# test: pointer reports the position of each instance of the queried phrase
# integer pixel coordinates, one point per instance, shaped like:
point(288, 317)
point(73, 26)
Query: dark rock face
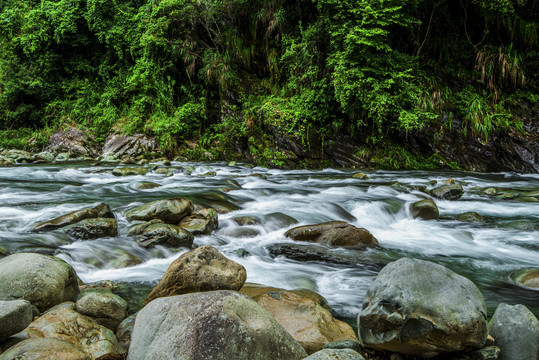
point(100, 211)
point(118, 146)
point(90, 229)
point(165, 234)
point(419, 308)
point(73, 141)
point(333, 233)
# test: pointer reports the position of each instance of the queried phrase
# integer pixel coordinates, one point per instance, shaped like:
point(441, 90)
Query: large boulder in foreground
point(448, 192)
point(15, 315)
point(215, 325)
point(171, 211)
point(202, 269)
point(102, 210)
point(419, 308)
point(303, 313)
point(42, 280)
point(78, 330)
point(516, 331)
point(333, 233)
point(44, 349)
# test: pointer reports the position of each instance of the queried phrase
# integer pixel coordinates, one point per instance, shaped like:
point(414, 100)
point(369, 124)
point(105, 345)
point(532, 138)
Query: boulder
point(165, 234)
point(171, 211)
point(304, 314)
point(215, 325)
point(15, 315)
point(345, 344)
point(118, 146)
point(361, 176)
point(129, 171)
point(44, 349)
point(44, 156)
point(202, 269)
point(516, 331)
point(448, 192)
point(147, 185)
point(528, 278)
point(124, 331)
point(18, 156)
point(102, 210)
point(124, 259)
point(335, 354)
point(470, 216)
point(200, 222)
point(419, 308)
point(79, 330)
point(41, 279)
point(246, 220)
point(425, 209)
point(138, 229)
point(333, 233)
point(73, 141)
point(89, 229)
point(103, 306)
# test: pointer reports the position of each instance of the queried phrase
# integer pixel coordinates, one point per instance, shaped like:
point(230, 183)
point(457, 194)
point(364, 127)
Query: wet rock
point(335, 354)
point(419, 308)
point(425, 209)
point(18, 156)
point(129, 171)
point(361, 176)
point(65, 305)
point(217, 200)
point(165, 234)
point(79, 330)
point(470, 216)
point(90, 229)
point(147, 186)
point(102, 210)
point(163, 171)
point(63, 156)
point(15, 315)
point(171, 211)
point(278, 220)
point(44, 349)
point(246, 220)
point(125, 259)
point(239, 232)
point(73, 141)
point(42, 280)
point(210, 326)
point(344, 344)
point(200, 222)
point(202, 269)
point(304, 314)
point(448, 192)
point(516, 331)
point(3, 251)
point(124, 331)
point(138, 229)
point(117, 146)
point(520, 225)
point(528, 278)
point(333, 233)
point(490, 191)
point(44, 156)
point(103, 306)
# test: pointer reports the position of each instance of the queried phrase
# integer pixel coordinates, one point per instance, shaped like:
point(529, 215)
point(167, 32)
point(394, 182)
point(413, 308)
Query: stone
point(124, 331)
point(74, 141)
point(202, 269)
point(215, 325)
point(335, 354)
point(422, 309)
point(345, 344)
point(89, 229)
point(104, 307)
point(102, 210)
point(138, 229)
point(361, 176)
point(246, 220)
point(425, 209)
point(44, 156)
point(44, 349)
point(15, 315)
point(528, 278)
point(470, 216)
point(200, 222)
point(166, 235)
point(490, 191)
point(516, 331)
point(304, 315)
point(171, 211)
point(129, 171)
point(117, 145)
point(79, 330)
point(147, 185)
point(333, 233)
point(43, 280)
point(125, 259)
point(448, 192)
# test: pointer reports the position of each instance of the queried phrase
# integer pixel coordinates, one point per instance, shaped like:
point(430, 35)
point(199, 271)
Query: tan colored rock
point(44, 349)
point(202, 269)
point(303, 313)
point(333, 233)
point(79, 330)
point(200, 222)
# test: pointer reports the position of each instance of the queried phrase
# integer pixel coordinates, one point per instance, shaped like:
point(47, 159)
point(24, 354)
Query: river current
point(489, 252)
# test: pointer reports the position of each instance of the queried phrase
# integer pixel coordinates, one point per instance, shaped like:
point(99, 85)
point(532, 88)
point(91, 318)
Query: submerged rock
point(448, 192)
point(202, 269)
point(333, 233)
point(419, 308)
point(516, 331)
point(215, 325)
point(200, 222)
point(102, 210)
point(129, 171)
point(165, 234)
point(171, 211)
point(147, 186)
point(246, 220)
point(470, 216)
point(361, 176)
point(15, 315)
point(425, 209)
point(42, 280)
point(44, 348)
point(103, 306)
point(90, 229)
point(528, 278)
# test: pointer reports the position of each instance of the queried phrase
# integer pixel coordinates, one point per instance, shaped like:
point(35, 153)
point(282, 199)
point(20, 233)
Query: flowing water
point(488, 253)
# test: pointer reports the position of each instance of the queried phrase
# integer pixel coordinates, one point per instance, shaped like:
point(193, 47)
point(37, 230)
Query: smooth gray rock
point(171, 211)
point(15, 315)
point(448, 192)
point(103, 306)
point(516, 332)
point(89, 229)
point(335, 354)
point(425, 209)
point(215, 325)
point(102, 210)
point(41, 279)
point(419, 308)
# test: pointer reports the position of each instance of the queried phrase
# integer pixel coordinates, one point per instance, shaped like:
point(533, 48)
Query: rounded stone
point(171, 211)
point(104, 307)
point(44, 348)
point(15, 315)
point(165, 234)
point(448, 192)
point(425, 209)
point(333, 233)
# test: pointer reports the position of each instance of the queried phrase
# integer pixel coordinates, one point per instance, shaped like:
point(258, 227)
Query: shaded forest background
point(214, 71)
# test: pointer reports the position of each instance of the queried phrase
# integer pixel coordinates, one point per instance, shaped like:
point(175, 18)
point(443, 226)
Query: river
point(489, 253)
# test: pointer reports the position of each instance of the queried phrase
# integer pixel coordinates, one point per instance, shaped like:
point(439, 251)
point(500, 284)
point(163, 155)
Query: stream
point(489, 252)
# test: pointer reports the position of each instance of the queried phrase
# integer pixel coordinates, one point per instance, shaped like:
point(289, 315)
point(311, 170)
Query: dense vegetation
point(217, 69)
